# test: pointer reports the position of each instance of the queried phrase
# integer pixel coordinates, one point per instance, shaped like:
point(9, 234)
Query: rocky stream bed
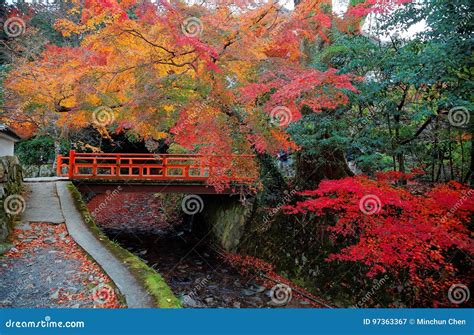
point(187, 261)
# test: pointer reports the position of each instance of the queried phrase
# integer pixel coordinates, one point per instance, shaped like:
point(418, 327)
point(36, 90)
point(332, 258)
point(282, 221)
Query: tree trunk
point(461, 141)
point(450, 155)
point(470, 174)
point(311, 169)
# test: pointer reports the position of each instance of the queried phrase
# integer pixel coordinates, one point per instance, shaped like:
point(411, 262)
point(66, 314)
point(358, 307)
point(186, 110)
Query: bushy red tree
point(390, 231)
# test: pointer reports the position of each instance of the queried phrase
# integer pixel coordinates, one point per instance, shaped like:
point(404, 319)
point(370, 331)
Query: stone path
point(42, 203)
point(135, 295)
point(48, 268)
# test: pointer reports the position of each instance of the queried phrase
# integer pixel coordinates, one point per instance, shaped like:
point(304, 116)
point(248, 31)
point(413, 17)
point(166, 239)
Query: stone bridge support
point(225, 218)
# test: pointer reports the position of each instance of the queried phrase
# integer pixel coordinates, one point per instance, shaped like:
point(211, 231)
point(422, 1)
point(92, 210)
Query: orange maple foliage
point(152, 65)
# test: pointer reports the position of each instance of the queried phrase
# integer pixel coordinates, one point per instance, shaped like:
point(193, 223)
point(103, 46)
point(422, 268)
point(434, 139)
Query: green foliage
point(38, 150)
point(318, 132)
point(398, 119)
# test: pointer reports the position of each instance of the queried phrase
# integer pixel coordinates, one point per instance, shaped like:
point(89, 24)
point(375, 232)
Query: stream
point(193, 270)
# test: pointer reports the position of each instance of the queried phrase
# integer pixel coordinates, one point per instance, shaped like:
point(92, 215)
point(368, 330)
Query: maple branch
point(62, 109)
point(172, 63)
point(135, 33)
point(138, 34)
point(235, 38)
point(419, 131)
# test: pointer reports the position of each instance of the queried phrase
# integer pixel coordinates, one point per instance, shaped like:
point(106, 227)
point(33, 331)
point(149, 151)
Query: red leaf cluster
point(266, 275)
point(390, 230)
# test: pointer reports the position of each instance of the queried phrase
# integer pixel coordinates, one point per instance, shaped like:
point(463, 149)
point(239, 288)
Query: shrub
point(388, 230)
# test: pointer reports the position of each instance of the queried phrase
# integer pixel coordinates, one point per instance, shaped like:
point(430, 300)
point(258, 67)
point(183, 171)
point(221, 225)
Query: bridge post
point(72, 157)
point(59, 163)
point(116, 169)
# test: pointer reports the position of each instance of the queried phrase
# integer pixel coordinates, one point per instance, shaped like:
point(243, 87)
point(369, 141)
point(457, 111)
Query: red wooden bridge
point(163, 172)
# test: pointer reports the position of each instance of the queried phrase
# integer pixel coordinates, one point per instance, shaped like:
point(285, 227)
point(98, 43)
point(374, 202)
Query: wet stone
point(50, 240)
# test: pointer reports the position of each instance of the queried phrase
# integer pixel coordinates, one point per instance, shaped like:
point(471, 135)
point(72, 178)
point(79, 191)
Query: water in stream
point(186, 261)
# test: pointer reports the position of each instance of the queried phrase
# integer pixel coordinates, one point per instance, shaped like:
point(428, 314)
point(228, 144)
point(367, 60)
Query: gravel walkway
point(47, 267)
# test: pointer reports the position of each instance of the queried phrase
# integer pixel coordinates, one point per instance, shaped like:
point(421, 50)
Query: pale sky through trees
point(339, 7)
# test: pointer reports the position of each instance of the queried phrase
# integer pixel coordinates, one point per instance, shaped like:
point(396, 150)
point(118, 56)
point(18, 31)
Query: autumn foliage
point(225, 79)
point(265, 273)
point(206, 79)
point(391, 231)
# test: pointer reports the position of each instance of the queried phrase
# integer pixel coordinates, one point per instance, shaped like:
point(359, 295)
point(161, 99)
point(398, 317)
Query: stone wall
point(11, 202)
point(34, 171)
point(226, 217)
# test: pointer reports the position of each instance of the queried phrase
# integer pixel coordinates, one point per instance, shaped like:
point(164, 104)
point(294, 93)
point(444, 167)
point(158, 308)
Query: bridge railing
point(148, 166)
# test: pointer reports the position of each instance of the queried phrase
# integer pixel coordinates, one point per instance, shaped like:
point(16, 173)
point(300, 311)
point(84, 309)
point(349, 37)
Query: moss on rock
point(226, 217)
point(11, 183)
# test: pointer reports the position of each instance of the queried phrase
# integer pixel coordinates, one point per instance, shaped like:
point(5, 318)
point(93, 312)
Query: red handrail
point(191, 167)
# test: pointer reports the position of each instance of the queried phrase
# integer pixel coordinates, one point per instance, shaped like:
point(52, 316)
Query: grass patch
point(155, 285)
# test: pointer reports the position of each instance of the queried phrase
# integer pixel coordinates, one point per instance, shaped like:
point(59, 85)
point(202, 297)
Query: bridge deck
point(90, 185)
point(165, 172)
